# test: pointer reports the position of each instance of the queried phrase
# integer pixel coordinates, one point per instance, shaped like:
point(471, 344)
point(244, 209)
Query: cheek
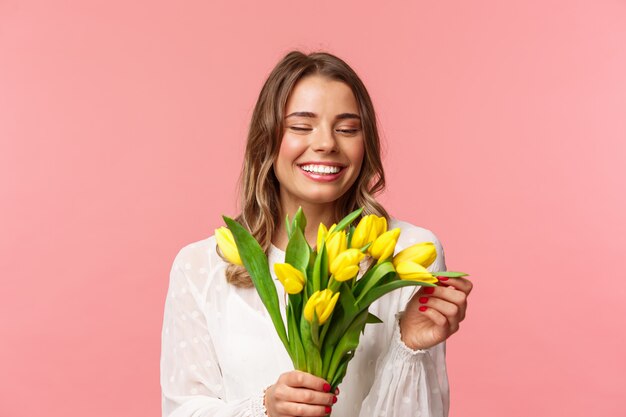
point(289, 151)
point(357, 153)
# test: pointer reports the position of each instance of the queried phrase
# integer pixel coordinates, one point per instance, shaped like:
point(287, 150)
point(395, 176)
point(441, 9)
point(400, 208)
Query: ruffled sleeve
point(410, 382)
point(191, 379)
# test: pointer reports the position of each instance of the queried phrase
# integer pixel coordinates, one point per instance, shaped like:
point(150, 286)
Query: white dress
point(220, 350)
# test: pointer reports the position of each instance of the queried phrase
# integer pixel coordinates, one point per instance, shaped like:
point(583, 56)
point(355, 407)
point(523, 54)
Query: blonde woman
point(313, 142)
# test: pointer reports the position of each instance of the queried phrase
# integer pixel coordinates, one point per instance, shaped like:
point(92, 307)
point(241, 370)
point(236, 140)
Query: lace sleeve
point(191, 380)
point(410, 382)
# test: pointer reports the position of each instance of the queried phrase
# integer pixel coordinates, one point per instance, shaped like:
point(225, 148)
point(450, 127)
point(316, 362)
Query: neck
point(315, 214)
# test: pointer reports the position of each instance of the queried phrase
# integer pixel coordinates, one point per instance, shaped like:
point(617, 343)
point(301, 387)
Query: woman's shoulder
point(196, 252)
point(199, 260)
point(410, 233)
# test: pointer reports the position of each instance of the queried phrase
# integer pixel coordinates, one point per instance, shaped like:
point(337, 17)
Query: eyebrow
point(341, 116)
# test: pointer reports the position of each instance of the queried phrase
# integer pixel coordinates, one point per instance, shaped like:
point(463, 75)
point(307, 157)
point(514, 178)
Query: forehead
point(320, 94)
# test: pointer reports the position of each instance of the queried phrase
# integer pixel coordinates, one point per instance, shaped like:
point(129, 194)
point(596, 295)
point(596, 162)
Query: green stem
point(333, 284)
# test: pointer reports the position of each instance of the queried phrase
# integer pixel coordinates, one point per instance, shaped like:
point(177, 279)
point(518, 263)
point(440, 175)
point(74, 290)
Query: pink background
point(122, 127)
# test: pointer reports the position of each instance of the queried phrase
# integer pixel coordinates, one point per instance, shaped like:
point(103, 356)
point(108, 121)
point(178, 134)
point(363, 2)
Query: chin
point(321, 198)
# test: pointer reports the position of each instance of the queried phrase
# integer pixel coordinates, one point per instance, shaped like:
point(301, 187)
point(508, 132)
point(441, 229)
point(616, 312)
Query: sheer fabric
point(220, 350)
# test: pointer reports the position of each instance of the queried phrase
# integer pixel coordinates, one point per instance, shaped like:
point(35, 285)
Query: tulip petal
point(348, 257)
point(423, 253)
point(384, 246)
point(362, 232)
point(322, 231)
point(330, 306)
point(226, 243)
point(291, 278)
point(382, 225)
point(335, 244)
point(414, 272)
point(292, 286)
point(310, 305)
point(346, 273)
point(321, 303)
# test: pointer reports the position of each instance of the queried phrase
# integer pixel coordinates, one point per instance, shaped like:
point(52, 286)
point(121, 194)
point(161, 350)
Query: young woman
point(313, 142)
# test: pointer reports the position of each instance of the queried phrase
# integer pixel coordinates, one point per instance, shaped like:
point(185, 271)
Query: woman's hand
point(433, 314)
point(299, 393)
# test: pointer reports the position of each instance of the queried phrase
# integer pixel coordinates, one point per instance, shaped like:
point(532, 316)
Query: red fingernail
point(328, 409)
point(423, 299)
point(326, 387)
point(429, 290)
point(336, 391)
point(442, 278)
point(334, 399)
point(423, 308)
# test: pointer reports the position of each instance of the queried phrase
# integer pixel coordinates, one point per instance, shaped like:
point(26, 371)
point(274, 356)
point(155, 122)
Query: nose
point(324, 140)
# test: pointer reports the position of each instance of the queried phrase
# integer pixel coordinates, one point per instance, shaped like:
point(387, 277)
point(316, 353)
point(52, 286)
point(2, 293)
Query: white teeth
point(321, 169)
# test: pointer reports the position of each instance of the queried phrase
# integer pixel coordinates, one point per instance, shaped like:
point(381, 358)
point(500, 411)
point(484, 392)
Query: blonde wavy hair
point(258, 185)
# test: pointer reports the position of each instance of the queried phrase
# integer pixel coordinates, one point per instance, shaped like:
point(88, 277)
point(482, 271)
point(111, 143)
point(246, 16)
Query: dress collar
point(275, 255)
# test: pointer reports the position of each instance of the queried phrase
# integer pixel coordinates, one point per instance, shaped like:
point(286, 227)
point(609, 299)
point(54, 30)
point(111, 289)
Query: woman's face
point(322, 147)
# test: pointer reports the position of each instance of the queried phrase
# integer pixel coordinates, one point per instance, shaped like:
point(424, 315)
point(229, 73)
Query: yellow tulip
point(346, 264)
point(346, 273)
point(384, 245)
point(322, 231)
point(336, 243)
point(226, 243)
point(322, 303)
point(291, 278)
point(368, 229)
point(421, 253)
point(324, 234)
point(415, 272)
point(381, 225)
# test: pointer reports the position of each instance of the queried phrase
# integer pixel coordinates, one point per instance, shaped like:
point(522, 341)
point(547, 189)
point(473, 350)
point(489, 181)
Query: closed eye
point(307, 129)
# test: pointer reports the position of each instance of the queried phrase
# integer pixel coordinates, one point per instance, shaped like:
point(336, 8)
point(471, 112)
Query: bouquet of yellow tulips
point(328, 306)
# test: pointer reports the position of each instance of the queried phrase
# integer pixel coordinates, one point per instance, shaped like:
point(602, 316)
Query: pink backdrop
point(122, 128)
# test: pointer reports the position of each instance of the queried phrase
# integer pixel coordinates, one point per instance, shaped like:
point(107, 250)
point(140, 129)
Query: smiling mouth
point(321, 169)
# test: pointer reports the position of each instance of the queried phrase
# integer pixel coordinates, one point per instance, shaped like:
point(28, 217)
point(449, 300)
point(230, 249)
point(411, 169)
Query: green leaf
point(348, 219)
point(318, 268)
point(299, 220)
point(348, 303)
point(311, 279)
point(351, 230)
point(342, 317)
point(347, 344)
point(315, 330)
point(327, 355)
point(295, 342)
point(451, 274)
point(312, 352)
point(340, 373)
point(371, 278)
point(288, 226)
point(366, 247)
point(333, 333)
point(377, 292)
point(295, 300)
point(372, 319)
point(326, 326)
point(298, 251)
point(255, 261)
point(323, 267)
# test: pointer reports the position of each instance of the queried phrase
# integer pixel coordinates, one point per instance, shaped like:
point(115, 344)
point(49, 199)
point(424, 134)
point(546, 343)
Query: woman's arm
point(191, 379)
point(408, 381)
